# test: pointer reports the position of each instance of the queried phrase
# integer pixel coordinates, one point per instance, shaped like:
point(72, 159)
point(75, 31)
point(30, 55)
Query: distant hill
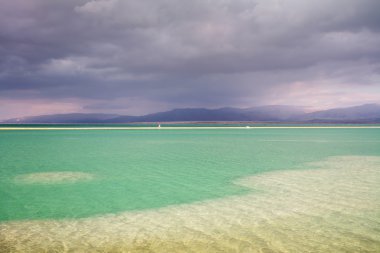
point(362, 113)
point(65, 118)
point(192, 114)
point(369, 113)
point(274, 112)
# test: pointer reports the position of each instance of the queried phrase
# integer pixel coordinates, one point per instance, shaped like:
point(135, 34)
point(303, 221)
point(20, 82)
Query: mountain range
point(368, 113)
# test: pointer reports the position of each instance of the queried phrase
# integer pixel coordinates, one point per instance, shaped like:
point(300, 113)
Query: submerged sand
point(52, 177)
point(333, 207)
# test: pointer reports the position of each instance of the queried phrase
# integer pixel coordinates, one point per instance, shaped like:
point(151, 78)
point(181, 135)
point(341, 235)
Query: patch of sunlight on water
point(331, 206)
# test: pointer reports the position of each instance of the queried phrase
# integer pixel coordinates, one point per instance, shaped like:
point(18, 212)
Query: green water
point(145, 169)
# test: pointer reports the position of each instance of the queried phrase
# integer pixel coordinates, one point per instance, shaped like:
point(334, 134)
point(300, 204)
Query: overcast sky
point(138, 56)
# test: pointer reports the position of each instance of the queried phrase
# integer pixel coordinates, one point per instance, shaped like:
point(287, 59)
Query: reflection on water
point(334, 207)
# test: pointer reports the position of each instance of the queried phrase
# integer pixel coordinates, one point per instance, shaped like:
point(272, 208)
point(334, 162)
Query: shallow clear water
point(209, 186)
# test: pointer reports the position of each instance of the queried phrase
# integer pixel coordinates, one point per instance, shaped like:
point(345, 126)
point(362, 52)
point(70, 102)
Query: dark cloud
point(186, 53)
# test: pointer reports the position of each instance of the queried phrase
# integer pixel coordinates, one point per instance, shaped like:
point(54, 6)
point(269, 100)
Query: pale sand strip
point(57, 177)
point(332, 209)
point(187, 128)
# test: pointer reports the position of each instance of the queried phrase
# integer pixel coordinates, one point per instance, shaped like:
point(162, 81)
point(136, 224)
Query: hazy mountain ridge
point(65, 118)
point(368, 113)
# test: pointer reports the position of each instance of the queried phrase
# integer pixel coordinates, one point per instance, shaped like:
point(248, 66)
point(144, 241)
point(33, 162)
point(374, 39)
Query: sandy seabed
point(333, 206)
point(52, 177)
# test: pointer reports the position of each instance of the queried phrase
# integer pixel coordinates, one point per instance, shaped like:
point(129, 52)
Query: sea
point(190, 188)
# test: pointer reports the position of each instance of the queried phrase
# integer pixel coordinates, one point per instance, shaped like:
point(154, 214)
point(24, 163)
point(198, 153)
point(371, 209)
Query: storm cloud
point(133, 56)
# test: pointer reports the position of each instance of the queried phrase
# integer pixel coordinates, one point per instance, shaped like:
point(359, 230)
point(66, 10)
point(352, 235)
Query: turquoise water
point(148, 169)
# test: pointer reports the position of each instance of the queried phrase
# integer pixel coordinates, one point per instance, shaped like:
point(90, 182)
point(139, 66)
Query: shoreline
point(188, 128)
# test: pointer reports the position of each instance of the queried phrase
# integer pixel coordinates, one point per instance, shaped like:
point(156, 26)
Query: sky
point(134, 57)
